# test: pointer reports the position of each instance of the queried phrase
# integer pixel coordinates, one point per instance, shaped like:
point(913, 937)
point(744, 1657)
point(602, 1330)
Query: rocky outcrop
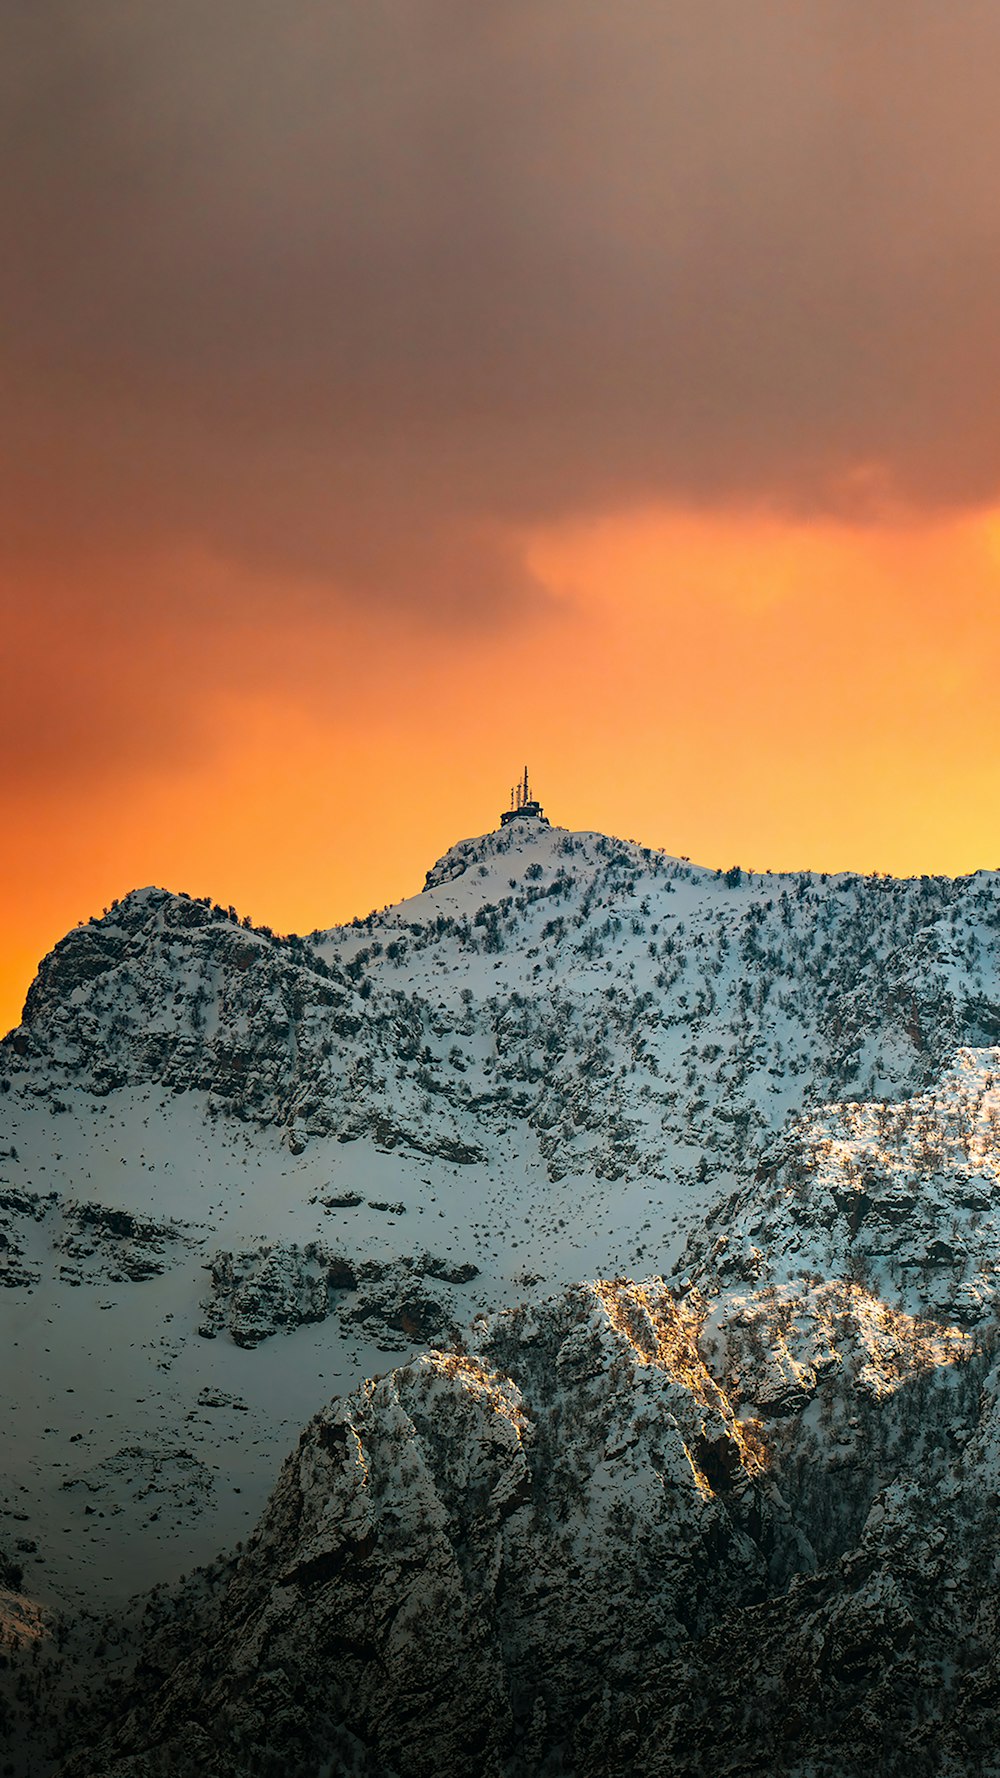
point(902, 1197)
point(470, 1555)
point(98, 1241)
point(19, 1269)
point(269, 1287)
point(83, 1242)
point(572, 1552)
point(275, 1287)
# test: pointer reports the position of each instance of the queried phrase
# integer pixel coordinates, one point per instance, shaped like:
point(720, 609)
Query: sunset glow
point(390, 404)
point(732, 688)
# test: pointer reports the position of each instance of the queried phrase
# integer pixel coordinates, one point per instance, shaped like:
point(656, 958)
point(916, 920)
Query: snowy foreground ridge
point(673, 1198)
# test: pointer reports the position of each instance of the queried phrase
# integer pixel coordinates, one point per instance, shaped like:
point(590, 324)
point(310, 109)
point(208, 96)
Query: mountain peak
point(524, 837)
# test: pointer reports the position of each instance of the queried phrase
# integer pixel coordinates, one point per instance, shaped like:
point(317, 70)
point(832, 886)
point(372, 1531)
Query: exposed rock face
point(17, 1270)
point(580, 1551)
point(170, 989)
point(98, 1241)
point(263, 1289)
point(427, 1569)
point(85, 1241)
point(904, 1197)
point(24, 1627)
point(277, 1286)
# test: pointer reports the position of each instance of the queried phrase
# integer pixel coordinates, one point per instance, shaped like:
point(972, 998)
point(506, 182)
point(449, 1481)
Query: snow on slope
point(555, 1057)
point(702, 1006)
point(746, 1524)
point(99, 1368)
point(904, 1197)
point(576, 1548)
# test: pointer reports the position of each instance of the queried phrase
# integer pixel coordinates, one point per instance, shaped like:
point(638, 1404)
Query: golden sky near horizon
point(392, 397)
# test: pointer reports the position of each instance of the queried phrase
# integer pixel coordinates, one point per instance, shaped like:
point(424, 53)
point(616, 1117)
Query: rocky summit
point(672, 1195)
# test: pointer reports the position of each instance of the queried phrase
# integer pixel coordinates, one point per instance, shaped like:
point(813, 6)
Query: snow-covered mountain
point(628, 1010)
point(236, 1169)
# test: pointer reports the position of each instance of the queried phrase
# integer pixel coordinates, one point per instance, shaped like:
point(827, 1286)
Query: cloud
point(346, 297)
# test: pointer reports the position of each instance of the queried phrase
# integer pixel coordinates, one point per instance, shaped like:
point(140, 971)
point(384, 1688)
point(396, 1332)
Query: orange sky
point(730, 687)
point(396, 395)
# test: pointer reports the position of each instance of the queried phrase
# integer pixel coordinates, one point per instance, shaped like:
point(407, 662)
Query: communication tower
point(523, 806)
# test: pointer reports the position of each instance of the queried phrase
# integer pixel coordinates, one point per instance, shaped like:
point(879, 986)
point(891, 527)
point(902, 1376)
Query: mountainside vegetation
point(674, 1195)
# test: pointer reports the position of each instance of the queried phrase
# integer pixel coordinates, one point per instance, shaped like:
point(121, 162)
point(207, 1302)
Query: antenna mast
point(521, 803)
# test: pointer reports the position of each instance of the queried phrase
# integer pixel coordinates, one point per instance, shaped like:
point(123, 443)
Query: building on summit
point(523, 805)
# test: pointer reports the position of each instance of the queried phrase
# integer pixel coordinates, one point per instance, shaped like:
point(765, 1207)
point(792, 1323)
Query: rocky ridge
point(465, 1569)
point(632, 1011)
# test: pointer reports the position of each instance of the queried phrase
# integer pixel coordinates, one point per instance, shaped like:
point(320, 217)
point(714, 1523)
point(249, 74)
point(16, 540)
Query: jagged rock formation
point(593, 1547)
point(586, 1570)
point(903, 1197)
point(426, 1566)
point(278, 1286)
point(16, 1269)
point(88, 1241)
point(118, 1244)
